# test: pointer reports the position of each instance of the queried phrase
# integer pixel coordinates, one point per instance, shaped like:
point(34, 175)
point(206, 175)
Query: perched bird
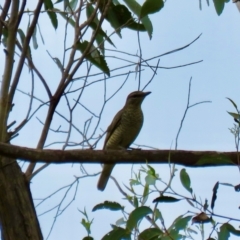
point(123, 130)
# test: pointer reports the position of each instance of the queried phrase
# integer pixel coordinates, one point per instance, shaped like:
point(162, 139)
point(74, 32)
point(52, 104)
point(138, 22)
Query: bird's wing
point(115, 123)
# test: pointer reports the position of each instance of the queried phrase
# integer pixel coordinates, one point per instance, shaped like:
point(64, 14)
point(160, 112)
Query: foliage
point(132, 225)
point(218, 4)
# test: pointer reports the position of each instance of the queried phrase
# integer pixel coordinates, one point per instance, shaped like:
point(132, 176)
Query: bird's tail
point(102, 182)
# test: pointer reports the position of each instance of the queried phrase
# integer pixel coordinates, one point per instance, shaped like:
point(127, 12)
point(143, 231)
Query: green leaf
point(151, 176)
point(136, 9)
point(219, 6)
point(185, 180)
point(94, 57)
point(148, 25)
point(88, 238)
point(130, 189)
point(113, 206)
point(134, 182)
point(59, 64)
point(72, 5)
point(34, 38)
point(227, 184)
point(5, 36)
point(39, 31)
point(180, 222)
point(22, 38)
point(174, 235)
point(135, 202)
point(150, 180)
point(151, 6)
point(112, 19)
point(190, 202)
point(231, 229)
point(119, 17)
point(214, 196)
point(87, 225)
point(125, 19)
point(115, 2)
point(145, 194)
point(158, 215)
point(166, 199)
point(235, 116)
point(66, 17)
point(190, 230)
point(58, 1)
point(224, 233)
point(151, 170)
point(118, 234)
point(52, 15)
point(21, 35)
point(233, 103)
point(93, 24)
point(134, 6)
point(150, 234)
point(86, 222)
point(137, 215)
point(120, 221)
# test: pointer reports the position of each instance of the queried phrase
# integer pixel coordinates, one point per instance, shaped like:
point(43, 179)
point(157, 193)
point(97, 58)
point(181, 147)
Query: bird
point(123, 130)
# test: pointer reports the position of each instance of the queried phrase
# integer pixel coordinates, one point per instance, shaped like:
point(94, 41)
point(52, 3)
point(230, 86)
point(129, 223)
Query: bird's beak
point(146, 93)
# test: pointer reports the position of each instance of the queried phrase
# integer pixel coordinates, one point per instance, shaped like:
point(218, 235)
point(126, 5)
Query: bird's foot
point(134, 149)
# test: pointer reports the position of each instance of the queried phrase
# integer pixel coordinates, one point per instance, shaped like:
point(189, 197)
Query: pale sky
point(206, 126)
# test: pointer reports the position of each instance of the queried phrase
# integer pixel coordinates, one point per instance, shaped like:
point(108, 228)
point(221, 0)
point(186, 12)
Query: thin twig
point(186, 110)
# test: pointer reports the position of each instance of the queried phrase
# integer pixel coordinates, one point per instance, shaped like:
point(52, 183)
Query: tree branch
point(186, 158)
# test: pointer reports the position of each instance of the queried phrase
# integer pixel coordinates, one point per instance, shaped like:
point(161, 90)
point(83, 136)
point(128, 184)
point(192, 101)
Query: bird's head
point(136, 98)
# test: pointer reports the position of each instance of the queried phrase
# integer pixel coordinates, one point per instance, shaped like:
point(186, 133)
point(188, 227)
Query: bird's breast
point(127, 130)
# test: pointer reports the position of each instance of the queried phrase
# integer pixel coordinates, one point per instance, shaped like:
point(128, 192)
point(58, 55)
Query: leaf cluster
point(185, 226)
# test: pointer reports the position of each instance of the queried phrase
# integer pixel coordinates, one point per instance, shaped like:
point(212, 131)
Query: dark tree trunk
point(18, 217)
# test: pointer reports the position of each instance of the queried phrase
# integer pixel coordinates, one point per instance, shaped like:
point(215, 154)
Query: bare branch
point(9, 62)
point(24, 50)
point(186, 158)
point(186, 110)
